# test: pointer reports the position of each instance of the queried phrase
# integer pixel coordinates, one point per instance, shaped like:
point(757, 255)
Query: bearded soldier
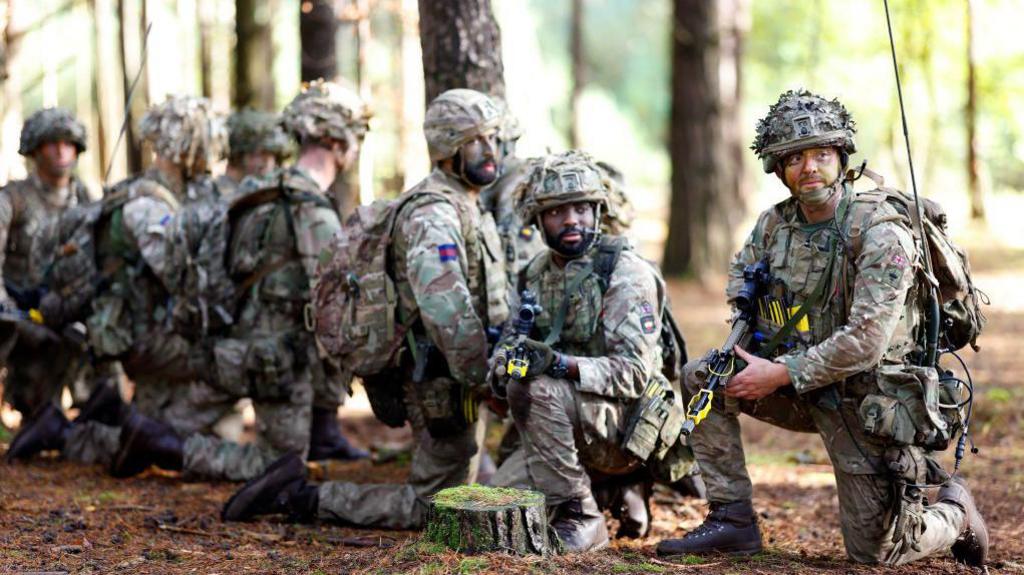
point(848, 261)
point(130, 304)
point(279, 226)
point(41, 361)
point(256, 145)
point(593, 350)
point(449, 274)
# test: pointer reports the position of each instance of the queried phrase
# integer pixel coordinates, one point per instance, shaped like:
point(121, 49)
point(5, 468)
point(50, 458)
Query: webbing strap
point(563, 310)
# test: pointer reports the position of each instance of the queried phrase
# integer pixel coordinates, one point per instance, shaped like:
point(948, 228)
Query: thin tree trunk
point(318, 28)
point(254, 54)
point(577, 66)
point(10, 106)
point(971, 112)
point(132, 27)
point(461, 47)
point(204, 20)
point(701, 211)
point(734, 15)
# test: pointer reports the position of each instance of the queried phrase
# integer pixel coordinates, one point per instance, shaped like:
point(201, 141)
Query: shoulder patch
point(647, 323)
point(448, 252)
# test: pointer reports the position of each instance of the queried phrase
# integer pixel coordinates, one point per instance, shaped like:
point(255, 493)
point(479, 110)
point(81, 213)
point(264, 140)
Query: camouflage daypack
point(355, 300)
point(75, 274)
point(961, 320)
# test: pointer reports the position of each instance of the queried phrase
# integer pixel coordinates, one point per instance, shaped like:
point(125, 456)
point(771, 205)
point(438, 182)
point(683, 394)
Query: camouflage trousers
point(38, 375)
point(566, 435)
point(880, 522)
point(437, 463)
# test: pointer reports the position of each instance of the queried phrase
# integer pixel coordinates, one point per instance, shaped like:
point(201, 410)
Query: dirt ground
point(58, 517)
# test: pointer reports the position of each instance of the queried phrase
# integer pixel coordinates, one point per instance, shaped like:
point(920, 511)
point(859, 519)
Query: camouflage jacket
point(520, 241)
point(864, 318)
point(614, 335)
point(274, 250)
point(449, 269)
point(29, 217)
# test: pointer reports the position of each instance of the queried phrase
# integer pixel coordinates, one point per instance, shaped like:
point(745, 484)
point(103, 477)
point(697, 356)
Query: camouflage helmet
point(456, 117)
point(510, 130)
point(801, 120)
point(185, 129)
point(51, 125)
point(253, 131)
point(560, 179)
point(326, 110)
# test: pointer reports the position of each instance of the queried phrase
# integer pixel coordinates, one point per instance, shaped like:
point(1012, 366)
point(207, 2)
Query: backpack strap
point(602, 265)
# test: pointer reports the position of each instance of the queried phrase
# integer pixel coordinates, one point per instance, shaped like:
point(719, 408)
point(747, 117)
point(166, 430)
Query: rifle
point(519, 358)
point(719, 365)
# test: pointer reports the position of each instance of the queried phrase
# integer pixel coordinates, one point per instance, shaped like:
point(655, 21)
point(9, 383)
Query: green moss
point(689, 560)
point(432, 568)
point(644, 567)
point(472, 565)
point(480, 495)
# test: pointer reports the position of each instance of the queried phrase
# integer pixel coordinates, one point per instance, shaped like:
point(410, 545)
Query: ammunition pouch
point(110, 327)
point(912, 408)
point(654, 422)
point(262, 368)
point(441, 400)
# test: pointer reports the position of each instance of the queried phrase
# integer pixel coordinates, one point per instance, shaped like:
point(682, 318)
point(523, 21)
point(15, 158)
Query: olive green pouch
point(907, 408)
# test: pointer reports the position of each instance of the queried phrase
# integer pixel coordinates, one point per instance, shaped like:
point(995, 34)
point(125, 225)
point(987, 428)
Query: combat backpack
point(75, 274)
point(355, 300)
point(961, 320)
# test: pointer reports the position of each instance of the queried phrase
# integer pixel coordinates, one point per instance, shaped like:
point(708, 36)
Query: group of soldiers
point(518, 291)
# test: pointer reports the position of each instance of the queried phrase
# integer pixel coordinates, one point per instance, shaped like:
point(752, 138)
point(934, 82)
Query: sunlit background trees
point(666, 90)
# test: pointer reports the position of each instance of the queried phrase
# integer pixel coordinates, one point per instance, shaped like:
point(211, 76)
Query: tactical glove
point(541, 358)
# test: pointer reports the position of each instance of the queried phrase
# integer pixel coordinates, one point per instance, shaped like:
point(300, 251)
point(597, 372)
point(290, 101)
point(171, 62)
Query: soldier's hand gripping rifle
point(719, 365)
point(518, 357)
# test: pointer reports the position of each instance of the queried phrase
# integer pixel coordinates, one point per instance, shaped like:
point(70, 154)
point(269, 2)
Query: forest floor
point(59, 517)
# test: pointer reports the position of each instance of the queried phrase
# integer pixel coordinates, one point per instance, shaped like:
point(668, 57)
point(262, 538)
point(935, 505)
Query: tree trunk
point(734, 21)
point(476, 519)
point(205, 23)
point(971, 113)
point(10, 103)
point(461, 47)
point(577, 66)
point(702, 214)
point(133, 26)
point(254, 54)
point(318, 28)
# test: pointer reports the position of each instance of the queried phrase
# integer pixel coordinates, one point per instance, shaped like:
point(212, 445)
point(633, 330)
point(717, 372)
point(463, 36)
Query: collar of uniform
point(296, 178)
point(56, 197)
point(154, 174)
point(789, 209)
point(449, 184)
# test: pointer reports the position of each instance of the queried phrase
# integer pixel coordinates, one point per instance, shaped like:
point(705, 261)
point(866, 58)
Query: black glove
point(541, 357)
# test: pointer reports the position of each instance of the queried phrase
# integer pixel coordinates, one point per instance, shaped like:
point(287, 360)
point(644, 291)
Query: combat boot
point(281, 488)
point(729, 528)
point(326, 440)
point(972, 545)
point(145, 442)
point(46, 430)
point(580, 525)
point(633, 510)
point(104, 406)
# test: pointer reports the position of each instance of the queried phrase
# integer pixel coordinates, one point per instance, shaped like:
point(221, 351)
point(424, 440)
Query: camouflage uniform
point(269, 355)
point(130, 320)
point(448, 270)
point(864, 326)
point(29, 214)
point(570, 428)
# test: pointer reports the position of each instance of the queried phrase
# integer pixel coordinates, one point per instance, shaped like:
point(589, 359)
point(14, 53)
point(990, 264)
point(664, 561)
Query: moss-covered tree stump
point(476, 519)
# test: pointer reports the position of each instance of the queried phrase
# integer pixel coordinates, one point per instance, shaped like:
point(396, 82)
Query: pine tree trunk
point(577, 66)
point(461, 47)
point(254, 54)
point(971, 111)
point(133, 36)
point(318, 27)
point(702, 213)
point(476, 519)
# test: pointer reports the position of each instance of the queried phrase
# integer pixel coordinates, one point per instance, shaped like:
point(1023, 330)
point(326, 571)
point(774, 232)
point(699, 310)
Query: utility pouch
point(654, 422)
point(441, 400)
point(110, 327)
point(270, 365)
point(906, 410)
point(677, 463)
point(229, 356)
